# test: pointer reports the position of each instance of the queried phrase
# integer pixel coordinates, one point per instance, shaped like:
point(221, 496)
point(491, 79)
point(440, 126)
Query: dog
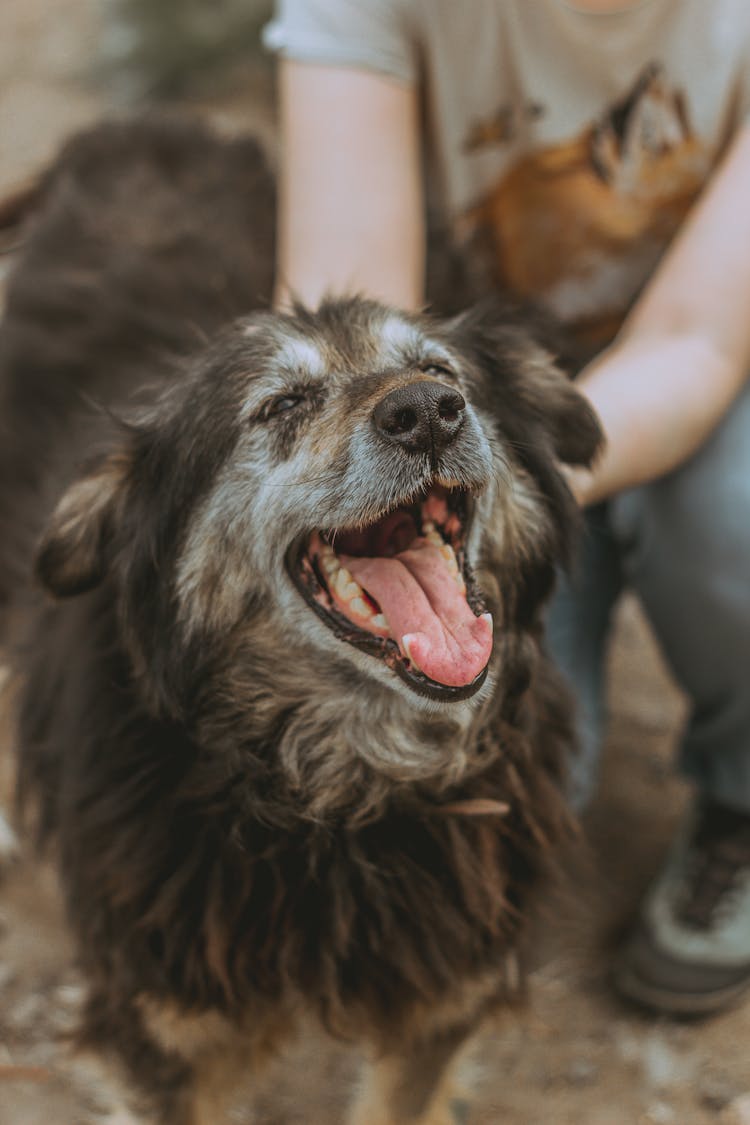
point(287, 716)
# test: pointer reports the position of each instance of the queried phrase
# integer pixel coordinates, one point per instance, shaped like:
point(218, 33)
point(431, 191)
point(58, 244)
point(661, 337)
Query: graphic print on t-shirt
point(581, 224)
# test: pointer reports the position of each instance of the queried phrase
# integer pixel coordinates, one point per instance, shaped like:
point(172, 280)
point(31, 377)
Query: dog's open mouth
point(401, 589)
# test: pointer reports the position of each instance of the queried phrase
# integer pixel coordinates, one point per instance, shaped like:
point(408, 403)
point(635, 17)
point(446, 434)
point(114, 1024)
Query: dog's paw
point(453, 1112)
point(460, 1108)
point(10, 849)
point(445, 1115)
point(119, 1116)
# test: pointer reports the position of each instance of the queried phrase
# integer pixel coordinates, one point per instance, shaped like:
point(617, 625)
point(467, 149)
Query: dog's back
point(147, 237)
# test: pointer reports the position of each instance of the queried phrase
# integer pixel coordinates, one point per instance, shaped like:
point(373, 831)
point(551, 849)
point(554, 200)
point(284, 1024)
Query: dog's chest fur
point(198, 869)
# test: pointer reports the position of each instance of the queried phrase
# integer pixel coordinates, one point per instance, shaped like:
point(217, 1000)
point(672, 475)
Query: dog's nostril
point(403, 422)
point(421, 417)
point(451, 406)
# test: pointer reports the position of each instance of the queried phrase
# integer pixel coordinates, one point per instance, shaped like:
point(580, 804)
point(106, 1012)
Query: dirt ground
point(575, 1056)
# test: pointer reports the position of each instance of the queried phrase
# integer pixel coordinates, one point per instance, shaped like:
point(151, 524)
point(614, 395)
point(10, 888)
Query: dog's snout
point(423, 417)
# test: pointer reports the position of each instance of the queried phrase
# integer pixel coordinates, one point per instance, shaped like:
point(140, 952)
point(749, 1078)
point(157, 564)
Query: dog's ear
point(572, 422)
point(72, 556)
point(521, 377)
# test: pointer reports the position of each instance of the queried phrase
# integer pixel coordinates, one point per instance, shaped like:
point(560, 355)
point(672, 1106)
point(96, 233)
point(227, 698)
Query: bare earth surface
point(575, 1056)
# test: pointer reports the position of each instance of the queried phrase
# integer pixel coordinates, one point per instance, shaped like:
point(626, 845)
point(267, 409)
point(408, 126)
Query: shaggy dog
point(288, 719)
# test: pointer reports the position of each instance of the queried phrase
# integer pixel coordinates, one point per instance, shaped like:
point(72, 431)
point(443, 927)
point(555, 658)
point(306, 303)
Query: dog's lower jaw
point(317, 643)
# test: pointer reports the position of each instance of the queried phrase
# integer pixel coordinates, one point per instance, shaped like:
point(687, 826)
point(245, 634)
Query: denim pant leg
point(685, 542)
point(577, 623)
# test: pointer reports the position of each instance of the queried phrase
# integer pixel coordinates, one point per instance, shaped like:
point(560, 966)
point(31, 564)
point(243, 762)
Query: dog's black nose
point(422, 417)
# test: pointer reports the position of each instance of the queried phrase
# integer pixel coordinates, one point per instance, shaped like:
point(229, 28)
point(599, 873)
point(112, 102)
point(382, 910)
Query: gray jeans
point(683, 544)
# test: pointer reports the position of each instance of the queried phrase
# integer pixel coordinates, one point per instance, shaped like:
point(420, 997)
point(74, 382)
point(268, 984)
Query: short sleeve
point(372, 34)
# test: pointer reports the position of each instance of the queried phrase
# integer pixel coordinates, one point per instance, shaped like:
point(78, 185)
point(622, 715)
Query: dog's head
point(351, 492)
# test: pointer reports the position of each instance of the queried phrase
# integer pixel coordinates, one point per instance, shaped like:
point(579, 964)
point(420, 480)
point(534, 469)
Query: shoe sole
point(647, 995)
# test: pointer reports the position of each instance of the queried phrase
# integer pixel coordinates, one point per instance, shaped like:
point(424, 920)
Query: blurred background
point(65, 64)
point(575, 1056)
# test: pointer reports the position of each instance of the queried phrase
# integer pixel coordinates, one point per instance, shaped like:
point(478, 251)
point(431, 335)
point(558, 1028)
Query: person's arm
point(350, 214)
point(684, 352)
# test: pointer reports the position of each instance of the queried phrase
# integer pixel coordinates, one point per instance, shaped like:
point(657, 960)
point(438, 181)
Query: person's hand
point(683, 354)
point(580, 481)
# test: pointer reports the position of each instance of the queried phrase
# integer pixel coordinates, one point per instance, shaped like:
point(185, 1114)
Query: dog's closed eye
point(280, 404)
point(439, 370)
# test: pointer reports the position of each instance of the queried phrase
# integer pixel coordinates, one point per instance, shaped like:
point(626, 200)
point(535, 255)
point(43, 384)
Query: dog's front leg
point(216, 1078)
point(9, 847)
point(219, 1058)
point(414, 1085)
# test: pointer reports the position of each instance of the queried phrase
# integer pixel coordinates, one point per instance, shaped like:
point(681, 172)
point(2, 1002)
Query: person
point(597, 154)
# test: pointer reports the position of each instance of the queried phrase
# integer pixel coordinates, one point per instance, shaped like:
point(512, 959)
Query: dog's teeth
point(431, 533)
point(330, 564)
point(379, 621)
point(345, 586)
point(361, 608)
point(450, 557)
point(486, 617)
point(343, 581)
point(406, 649)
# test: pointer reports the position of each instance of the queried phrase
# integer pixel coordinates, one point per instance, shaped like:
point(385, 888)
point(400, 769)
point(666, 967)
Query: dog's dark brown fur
point(254, 819)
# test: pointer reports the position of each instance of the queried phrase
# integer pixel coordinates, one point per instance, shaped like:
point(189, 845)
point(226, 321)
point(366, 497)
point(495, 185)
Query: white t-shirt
point(569, 144)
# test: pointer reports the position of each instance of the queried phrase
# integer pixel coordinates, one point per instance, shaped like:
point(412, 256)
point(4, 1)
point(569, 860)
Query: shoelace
point(718, 858)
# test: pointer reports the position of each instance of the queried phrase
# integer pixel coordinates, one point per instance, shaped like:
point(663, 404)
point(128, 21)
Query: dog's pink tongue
point(427, 613)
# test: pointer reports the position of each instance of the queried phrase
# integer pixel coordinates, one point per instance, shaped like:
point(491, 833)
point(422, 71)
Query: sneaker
point(689, 953)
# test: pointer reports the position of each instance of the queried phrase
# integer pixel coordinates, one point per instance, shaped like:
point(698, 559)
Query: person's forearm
point(684, 351)
point(658, 400)
point(350, 214)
